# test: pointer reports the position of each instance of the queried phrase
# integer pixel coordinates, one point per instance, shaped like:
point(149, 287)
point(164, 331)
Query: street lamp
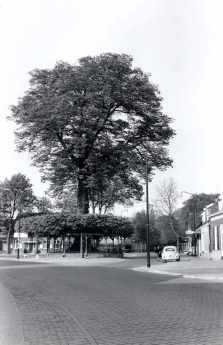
point(193, 195)
point(19, 227)
point(147, 212)
point(122, 141)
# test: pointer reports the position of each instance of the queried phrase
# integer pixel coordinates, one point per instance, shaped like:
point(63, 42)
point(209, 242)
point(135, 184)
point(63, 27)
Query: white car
point(190, 252)
point(170, 253)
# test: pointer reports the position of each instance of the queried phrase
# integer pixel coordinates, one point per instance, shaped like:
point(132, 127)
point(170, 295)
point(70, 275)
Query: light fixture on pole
point(193, 195)
point(147, 212)
point(19, 227)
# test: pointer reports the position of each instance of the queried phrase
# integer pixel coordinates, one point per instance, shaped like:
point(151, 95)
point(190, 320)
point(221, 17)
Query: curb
point(156, 271)
point(204, 278)
point(186, 276)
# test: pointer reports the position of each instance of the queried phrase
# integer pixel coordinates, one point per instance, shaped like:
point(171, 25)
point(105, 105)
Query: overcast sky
point(179, 42)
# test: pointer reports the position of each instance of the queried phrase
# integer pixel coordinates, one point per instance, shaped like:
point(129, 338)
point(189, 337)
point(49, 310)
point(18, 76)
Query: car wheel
point(190, 254)
point(164, 261)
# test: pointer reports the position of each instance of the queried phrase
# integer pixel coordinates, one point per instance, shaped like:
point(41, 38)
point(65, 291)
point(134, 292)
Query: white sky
point(179, 41)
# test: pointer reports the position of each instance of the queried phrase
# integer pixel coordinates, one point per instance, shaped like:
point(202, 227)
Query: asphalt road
point(106, 305)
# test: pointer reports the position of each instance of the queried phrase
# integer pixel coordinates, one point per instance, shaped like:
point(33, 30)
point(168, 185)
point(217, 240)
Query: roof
point(198, 231)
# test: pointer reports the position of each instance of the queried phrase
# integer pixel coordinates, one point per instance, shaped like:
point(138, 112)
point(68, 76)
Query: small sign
point(189, 232)
point(21, 234)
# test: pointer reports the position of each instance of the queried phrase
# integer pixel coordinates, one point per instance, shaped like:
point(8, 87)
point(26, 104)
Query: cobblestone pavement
point(46, 304)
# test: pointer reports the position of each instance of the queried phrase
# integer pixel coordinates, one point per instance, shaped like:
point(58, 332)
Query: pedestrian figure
point(158, 251)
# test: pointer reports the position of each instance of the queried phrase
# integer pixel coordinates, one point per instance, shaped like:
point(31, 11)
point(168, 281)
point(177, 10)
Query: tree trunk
point(37, 241)
point(81, 246)
point(86, 244)
point(47, 245)
point(64, 252)
point(8, 236)
point(83, 198)
point(178, 243)
point(69, 243)
point(8, 241)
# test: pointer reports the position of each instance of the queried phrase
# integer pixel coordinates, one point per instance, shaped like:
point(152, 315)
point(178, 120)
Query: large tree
point(167, 235)
point(193, 206)
point(72, 115)
point(165, 201)
point(140, 225)
point(17, 197)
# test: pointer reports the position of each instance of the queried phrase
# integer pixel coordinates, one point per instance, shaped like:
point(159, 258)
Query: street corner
point(207, 277)
point(151, 270)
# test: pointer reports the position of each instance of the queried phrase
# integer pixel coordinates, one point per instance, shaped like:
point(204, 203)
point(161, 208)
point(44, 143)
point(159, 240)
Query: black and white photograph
point(111, 183)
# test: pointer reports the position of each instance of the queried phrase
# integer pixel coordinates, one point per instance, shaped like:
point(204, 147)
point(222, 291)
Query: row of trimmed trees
point(52, 219)
point(57, 225)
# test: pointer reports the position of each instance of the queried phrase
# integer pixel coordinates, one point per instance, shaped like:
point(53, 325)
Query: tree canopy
point(166, 203)
point(140, 225)
point(71, 116)
point(198, 201)
point(16, 196)
point(57, 224)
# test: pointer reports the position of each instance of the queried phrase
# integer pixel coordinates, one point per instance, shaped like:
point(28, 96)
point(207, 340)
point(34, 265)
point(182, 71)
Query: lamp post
point(147, 212)
point(122, 141)
point(193, 195)
point(19, 228)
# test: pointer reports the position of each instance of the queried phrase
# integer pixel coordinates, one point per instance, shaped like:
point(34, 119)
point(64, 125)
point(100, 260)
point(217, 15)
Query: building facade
point(209, 235)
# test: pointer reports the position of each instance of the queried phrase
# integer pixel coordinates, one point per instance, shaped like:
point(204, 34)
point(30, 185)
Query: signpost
point(20, 234)
point(189, 232)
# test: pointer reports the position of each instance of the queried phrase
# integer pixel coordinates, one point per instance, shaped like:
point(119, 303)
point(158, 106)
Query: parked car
point(190, 252)
point(170, 253)
point(127, 248)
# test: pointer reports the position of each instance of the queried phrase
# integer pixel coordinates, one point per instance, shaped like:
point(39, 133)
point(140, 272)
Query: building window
point(221, 234)
point(57, 244)
point(216, 238)
point(207, 241)
point(219, 237)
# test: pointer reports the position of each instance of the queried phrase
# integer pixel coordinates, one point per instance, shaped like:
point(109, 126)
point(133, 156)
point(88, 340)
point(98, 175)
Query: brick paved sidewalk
point(58, 259)
point(11, 326)
point(189, 267)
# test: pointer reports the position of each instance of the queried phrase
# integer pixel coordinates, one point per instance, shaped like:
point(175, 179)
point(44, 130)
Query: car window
point(170, 250)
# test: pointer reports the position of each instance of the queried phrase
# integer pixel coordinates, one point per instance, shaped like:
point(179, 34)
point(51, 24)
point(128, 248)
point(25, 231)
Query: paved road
point(113, 305)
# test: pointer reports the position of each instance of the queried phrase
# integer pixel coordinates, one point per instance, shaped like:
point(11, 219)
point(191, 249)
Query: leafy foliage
point(71, 116)
point(43, 204)
point(106, 193)
point(16, 196)
point(66, 202)
point(198, 201)
point(168, 236)
point(55, 225)
point(140, 225)
point(50, 225)
point(166, 203)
